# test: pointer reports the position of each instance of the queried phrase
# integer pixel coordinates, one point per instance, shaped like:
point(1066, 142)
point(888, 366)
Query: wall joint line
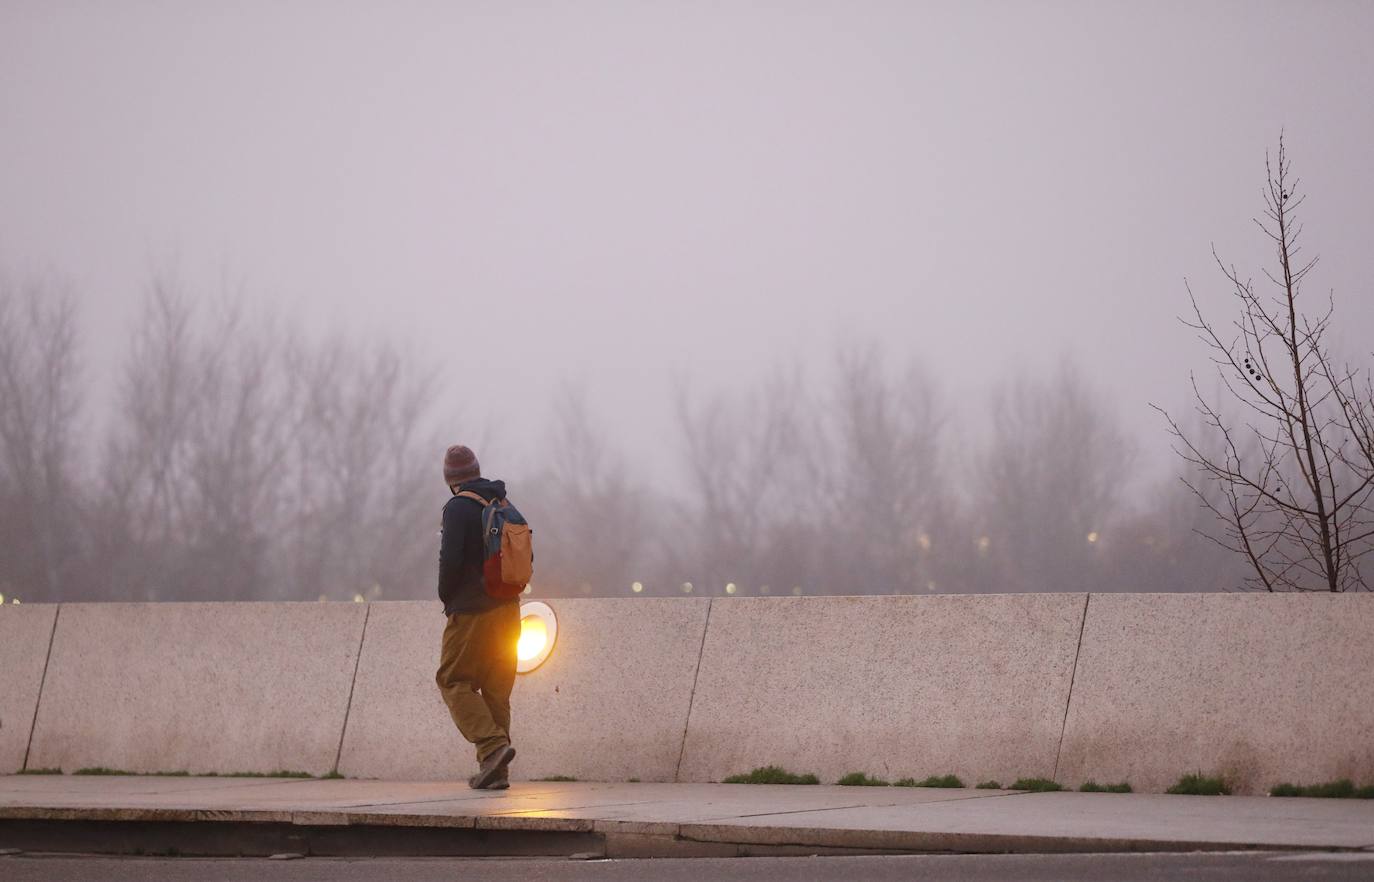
point(1068, 700)
point(43, 681)
point(338, 754)
point(691, 700)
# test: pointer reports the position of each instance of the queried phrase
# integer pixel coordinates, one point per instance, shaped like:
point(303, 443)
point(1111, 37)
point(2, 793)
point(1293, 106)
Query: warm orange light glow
point(534, 636)
point(538, 634)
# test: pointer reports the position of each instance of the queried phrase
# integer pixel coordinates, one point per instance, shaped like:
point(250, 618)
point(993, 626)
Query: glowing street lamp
point(538, 632)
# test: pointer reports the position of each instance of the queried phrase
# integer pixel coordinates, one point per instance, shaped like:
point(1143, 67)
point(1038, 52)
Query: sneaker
point(501, 783)
point(492, 768)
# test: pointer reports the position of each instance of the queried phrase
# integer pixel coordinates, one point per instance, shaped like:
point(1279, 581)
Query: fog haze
point(621, 197)
point(618, 192)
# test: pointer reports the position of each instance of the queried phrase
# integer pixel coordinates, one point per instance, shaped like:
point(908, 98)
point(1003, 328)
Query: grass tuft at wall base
point(771, 775)
point(1200, 785)
point(1036, 785)
point(932, 781)
point(1342, 789)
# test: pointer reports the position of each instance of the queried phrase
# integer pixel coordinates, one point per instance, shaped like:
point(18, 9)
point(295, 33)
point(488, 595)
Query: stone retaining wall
point(25, 635)
point(609, 704)
point(893, 686)
point(1143, 688)
point(1256, 689)
point(199, 687)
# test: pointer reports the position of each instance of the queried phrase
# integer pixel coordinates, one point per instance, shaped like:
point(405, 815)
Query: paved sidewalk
point(706, 819)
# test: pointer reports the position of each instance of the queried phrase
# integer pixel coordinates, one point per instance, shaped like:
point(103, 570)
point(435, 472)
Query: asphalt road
point(1262, 867)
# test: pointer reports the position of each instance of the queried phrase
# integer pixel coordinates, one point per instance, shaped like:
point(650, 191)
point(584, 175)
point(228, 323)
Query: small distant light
point(923, 540)
point(983, 543)
point(357, 598)
point(930, 586)
point(14, 601)
point(730, 588)
point(764, 589)
point(323, 598)
point(637, 587)
point(686, 587)
point(2, 598)
point(796, 589)
point(1092, 537)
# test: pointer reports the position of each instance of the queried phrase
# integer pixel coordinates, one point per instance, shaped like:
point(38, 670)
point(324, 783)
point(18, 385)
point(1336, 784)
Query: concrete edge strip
point(691, 699)
point(1068, 699)
point(121, 815)
point(908, 841)
point(627, 826)
point(353, 682)
point(824, 808)
point(42, 681)
point(829, 808)
point(919, 841)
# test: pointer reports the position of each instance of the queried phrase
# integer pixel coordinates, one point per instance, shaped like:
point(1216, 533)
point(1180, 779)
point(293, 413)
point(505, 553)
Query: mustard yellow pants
point(477, 673)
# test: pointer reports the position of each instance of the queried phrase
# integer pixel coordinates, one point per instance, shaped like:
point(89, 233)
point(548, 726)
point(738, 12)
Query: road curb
point(354, 833)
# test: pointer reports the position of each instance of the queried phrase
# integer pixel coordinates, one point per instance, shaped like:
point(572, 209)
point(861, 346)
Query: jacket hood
point(488, 490)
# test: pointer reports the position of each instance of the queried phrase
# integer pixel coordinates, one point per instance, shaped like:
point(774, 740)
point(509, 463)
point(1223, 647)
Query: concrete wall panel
point(25, 630)
point(1254, 687)
point(202, 687)
point(609, 704)
point(1257, 688)
point(892, 686)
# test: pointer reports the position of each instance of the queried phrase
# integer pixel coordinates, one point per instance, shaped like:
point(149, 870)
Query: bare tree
point(841, 491)
point(752, 487)
point(145, 487)
point(1162, 547)
point(1048, 486)
point(885, 492)
point(359, 515)
point(236, 448)
point(248, 463)
point(590, 514)
point(1294, 470)
point(39, 467)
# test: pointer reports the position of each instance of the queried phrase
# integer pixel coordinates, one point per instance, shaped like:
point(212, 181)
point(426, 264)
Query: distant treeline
point(247, 460)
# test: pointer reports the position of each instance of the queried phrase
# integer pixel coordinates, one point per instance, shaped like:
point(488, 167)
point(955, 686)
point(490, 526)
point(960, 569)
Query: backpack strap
point(480, 500)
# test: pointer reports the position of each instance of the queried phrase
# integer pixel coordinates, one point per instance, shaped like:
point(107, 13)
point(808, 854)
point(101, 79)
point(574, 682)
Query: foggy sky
point(618, 194)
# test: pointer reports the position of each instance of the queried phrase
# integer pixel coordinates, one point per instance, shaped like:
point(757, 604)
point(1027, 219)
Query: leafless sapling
point(1293, 462)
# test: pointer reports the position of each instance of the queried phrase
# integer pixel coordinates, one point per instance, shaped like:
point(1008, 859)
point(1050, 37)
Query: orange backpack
point(507, 552)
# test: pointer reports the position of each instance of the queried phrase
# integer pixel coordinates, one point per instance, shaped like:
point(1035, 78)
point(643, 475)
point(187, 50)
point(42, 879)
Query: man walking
point(477, 658)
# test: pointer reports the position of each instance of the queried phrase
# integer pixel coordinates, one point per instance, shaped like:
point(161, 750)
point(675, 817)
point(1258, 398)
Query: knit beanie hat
point(460, 464)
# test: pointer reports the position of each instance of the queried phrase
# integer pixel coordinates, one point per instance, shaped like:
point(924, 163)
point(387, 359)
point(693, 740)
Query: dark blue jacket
point(461, 582)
